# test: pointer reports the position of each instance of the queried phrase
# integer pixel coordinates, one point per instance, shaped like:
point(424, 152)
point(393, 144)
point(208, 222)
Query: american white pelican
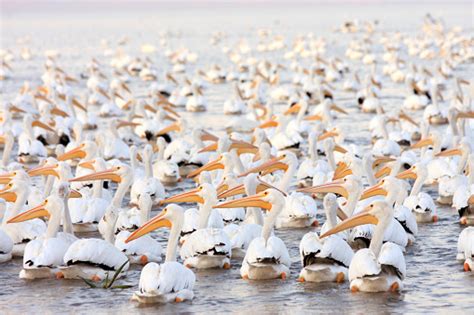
point(419, 202)
point(144, 249)
point(147, 184)
point(95, 258)
point(29, 149)
point(299, 210)
point(170, 281)
point(206, 247)
point(165, 170)
point(6, 243)
point(267, 256)
point(325, 260)
point(45, 253)
point(466, 248)
point(17, 191)
point(381, 267)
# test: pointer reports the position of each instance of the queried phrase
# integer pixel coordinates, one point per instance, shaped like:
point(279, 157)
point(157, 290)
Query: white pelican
point(17, 191)
point(299, 210)
point(267, 256)
point(165, 170)
point(45, 253)
point(170, 281)
point(144, 249)
point(6, 243)
point(419, 202)
point(29, 149)
point(147, 184)
point(379, 267)
point(95, 258)
point(466, 248)
point(312, 167)
point(325, 260)
point(206, 247)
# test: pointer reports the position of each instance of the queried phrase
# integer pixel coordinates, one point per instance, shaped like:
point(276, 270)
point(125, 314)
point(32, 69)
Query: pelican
point(267, 256)
point(325, 260)
point(147, 184)
point(381, 267)
point(206, 247)
point(17, 191)
point(144, 249)
point(419, 202)
point(170, 281)
point(466, 248)
point(45, 253)
point(299, 210)
point(165, 170)
point(6, 243)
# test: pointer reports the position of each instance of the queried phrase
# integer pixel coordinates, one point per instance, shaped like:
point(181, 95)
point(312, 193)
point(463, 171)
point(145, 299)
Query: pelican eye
point(265, 193)
point(371, 206)
point(200, 188)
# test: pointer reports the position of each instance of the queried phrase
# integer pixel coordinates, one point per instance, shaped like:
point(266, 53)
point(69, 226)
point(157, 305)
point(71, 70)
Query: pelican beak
point(375, 190)
point(16, 109)
point(5, 178)
point(171, 111)
point(269, 124)
point(58, 112)
point(101, 91)
point(468, 114)
point(336, 187)
point(42, 125)
point(340, 149)
point(313, 117)
point(250, 201)
point(268, 167)
point(211, 166)
point(109, 174)
point(449, 152)
point(240, 190)
point(359, 219)
point(125, 87)
point(124, 123)
point(78, 105)
point(384, 171)
point(243, 147)
point(188, 196)
point(149, 108)
point(381, 160)
point(43, 98)
point(341, 171)
point(404, 116)
point(45, 171)
point(393, 120)
point(222, 188)
point(74, 194)
point(210, 148)
point(153, 224)
point(339, 109)
point(36, 212)
point(172, 127)
point(88, 165)
point(8, 195)
point(207, 136)
point(76, 153)
point(293, 109)
point(407, 174)
point(328, 134)
point(423, 143)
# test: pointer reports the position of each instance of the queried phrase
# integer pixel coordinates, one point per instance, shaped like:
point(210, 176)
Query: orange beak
point(36, 212)
point(76, 153)
point(8, 195)
point(188, 196)
point(407, 174)
point(250, 201)
point(268, 167)
point(359, 219)
point(44, 171)
point(375, 190)
point(109, 174)
point(336, 187)
point(211, 166)
point(153, 224)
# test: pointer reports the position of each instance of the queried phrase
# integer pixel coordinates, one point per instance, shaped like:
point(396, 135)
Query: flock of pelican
point(88, 152)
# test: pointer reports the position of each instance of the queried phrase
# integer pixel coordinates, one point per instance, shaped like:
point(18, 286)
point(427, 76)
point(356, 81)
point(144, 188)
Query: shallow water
point(435, 282)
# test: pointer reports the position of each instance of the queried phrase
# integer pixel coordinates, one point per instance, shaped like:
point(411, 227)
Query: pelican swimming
point(381, 267)
point(170, 281)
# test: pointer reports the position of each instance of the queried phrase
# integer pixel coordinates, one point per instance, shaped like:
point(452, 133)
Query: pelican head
point(85, 150)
